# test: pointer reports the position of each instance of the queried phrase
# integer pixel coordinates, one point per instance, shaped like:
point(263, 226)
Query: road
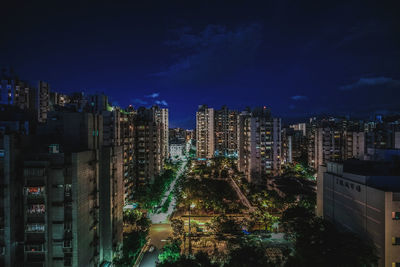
point(161, 229)
point(163, 216)
point(158, 235)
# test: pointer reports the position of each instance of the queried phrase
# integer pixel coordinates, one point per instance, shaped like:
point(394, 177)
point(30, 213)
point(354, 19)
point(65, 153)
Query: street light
point(190, 243)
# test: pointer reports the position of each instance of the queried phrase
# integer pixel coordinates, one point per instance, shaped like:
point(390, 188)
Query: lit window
point(396, 215)
point(396, 241)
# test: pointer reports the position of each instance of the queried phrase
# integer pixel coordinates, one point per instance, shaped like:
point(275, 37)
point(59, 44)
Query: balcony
point(34, 248)
point(35, 238)
point(35, 258)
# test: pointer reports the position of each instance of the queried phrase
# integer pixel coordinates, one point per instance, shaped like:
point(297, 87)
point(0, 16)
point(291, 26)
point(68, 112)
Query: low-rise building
point(364, 197)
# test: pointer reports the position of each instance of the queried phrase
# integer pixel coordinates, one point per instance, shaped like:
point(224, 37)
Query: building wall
point(225, 131)
point(362, 209)
point(85, 208)
point(111, 199)
point(205, 132)
point(259, 139)
point(11, 226)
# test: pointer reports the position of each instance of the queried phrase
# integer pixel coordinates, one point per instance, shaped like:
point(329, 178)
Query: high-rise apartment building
point(328, 142)
point(73, 193)
point(205, 132)
point(161, 117)
point(111, 201)
point(225, 132)
point(17, 93)
point(353, 145)
point(42, 103)
point(300, 127)
point(11, 225)
point(363, 197)
point(148, 147)
point(61, 207)
point(259, 141)
point(293, 145)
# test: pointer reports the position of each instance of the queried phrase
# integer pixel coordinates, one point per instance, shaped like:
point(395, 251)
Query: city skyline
point(298, 59)
point(200, 133)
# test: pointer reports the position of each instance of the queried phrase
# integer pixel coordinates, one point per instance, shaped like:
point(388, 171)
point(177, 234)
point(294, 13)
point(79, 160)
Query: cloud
point(299, 97)
point(161, 102)
point(213, 52)
point(153, 95)
point(368, 82)
point(139, 101)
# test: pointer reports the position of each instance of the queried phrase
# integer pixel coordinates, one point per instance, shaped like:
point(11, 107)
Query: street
point(161, 229)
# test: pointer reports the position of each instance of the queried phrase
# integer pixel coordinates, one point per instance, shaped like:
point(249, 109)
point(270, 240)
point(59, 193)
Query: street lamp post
point(190, 241)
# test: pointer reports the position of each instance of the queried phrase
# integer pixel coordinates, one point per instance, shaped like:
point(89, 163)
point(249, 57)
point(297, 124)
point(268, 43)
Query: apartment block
point(225, 131)
point(61, 207)
point(42, 103)
point(205, 132)
point(259, 141)
point(354, 145)
point(161, 117)
point(111, 201)
point(148, 147)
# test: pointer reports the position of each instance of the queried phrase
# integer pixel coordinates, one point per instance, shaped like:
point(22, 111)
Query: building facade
point(259, 141)
point(205, 132)
point(225, 131)
point(363, 197)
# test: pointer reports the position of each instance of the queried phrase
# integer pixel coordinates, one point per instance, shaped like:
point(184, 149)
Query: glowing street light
point(190, 243)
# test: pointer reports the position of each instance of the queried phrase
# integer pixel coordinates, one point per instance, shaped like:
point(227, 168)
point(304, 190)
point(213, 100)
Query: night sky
point(300, 58)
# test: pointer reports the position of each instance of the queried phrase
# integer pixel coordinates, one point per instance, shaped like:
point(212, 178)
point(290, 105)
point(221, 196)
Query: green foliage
point(222, 224)
point(264, 219)
point(170, 252)
point(135, 239)
point(201, 259)
point(250, 255)
point(137, 219)
point(151, 195)
point(132, 244)
point(209, 196)
point(299, 170)
point(318, 242)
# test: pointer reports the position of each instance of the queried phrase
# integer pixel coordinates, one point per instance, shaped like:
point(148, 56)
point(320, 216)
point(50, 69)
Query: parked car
point(151, 249)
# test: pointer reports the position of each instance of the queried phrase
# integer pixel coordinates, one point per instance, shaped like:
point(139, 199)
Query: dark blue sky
point(298, 57)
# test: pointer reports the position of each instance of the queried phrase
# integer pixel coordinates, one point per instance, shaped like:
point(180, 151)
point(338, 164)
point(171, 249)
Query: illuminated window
point(396, 215)
point(395, 241)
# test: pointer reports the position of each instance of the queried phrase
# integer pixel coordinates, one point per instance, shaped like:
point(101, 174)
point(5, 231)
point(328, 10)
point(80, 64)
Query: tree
point(318, 242)
point(249, 256)
point(170, 252)
point(201, 259)
point(178, 228)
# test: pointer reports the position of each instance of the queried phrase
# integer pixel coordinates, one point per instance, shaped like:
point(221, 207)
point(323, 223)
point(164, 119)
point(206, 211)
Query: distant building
point(259, 144)
point(176, 151)
point(225, 132)
point(42, 102)
point(149, 159)
point(16, 93)
point(293, 145)
point(162, 118)
point(364, 197)
point(354, 145)
point(205, 132)
point(300, 127)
